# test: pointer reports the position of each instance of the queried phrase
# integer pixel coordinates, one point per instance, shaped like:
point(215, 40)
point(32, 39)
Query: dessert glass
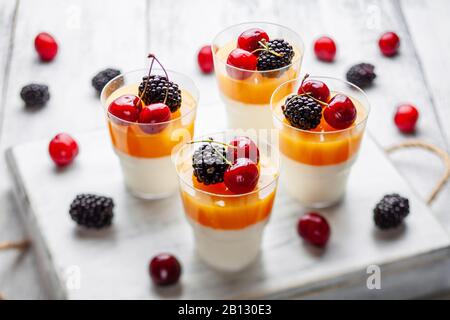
point(315, 165)
point(247, 101)
point(145, 149)
point(228, 228)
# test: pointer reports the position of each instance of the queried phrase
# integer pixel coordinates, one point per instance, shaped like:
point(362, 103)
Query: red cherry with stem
point(316, 89)
point(153, 114)
point(244, 148)
point(340, 112)
point(46, 46)
point(205, 59)
point(165, 269)
point(389, 43)
point(325, 49)
point(242, 59)
point(406, 118)
point(314, 228)
point(242, 176)
point(249, 39)
point(126, 107)
point(63, 149)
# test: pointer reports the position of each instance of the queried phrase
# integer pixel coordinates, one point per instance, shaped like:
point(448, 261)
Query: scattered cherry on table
point(205, 59)
point(314, 228)
point(406, 118)
point(165, 269)
point(389, 44)
point(325, 49)
point(46, 46)
point(63, 149)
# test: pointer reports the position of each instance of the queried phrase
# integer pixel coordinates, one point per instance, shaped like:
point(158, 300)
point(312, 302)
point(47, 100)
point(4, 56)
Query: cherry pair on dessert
point(314, 100)
point(256, 52)
point(235, 164)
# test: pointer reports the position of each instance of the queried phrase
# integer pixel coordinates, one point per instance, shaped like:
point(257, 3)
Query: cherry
point(315, 88)
point(241, 59)
point(63, 149)
point(245, 148)
point(248, 40)
point(125, 107)
point(205, 59)
point(46, 46)
point(314, 228)
point(164, 269)
point(406, 118)
point(242, 176)
point(340, 112)
point(153, 114)
point(325, 49)
point(389, 43)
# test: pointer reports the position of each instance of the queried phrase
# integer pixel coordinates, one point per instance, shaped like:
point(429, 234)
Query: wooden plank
point(92, 35)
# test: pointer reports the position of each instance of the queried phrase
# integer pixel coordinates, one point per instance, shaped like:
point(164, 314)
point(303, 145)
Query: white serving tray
point(79, 264)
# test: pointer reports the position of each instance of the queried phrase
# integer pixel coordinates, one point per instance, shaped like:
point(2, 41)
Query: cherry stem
point(153, 57)
point(265, 47)
point(212, 141)
point(308, 94)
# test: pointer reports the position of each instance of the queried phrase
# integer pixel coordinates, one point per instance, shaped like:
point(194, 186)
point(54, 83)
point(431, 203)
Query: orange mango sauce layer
point(132, 140)
point(314, 148)
point(255, 89)
point(223, 210)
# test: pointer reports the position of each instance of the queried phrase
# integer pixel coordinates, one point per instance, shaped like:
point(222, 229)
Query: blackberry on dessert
point(35, 95)
point(92, 211)
point(100, 80)
point(361, 75)
point(274, 54)
point(302, 112)
point(390, 211)
point(157, 88)
point(209, 163)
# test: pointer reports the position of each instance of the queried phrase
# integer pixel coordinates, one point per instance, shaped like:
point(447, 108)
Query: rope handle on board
point(445, 157)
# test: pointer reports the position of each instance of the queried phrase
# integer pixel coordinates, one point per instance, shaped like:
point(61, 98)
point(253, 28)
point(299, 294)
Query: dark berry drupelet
point(92, 211)
point(302, 112)
point(35, 95)
point(361, 75)
point(209, 163)
point(278, 53)
point(156, 90)
point(390, 211)
point(103, 77)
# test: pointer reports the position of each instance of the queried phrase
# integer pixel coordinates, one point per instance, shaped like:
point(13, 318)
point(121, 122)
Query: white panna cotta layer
point(228, 250)
point(149, 178)
point(248, 116)
point(315, 186)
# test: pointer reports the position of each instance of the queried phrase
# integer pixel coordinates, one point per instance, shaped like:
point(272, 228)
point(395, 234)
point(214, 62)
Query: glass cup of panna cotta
point(145, 128)
point(320, 123)
point(250, 61)
point(228, 185)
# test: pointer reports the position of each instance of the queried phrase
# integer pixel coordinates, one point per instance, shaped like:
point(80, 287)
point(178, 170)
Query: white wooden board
point(113, 263)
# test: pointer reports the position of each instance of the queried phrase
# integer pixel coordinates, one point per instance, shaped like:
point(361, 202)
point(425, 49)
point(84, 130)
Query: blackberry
point(35, 95)
point(361, 75)
point(156, 91)
point(92, 211)
point(302, 112)
point(267, 60)
point(209, 163)
point(103, 77)
point(390, 211)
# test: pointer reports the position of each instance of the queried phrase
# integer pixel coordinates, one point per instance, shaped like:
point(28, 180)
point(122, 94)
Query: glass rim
point(103, 101)
point(186, 145)
point(362, 121)
point(297, 60)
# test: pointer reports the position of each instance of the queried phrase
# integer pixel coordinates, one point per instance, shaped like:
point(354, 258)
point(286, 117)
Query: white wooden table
point(98, 34)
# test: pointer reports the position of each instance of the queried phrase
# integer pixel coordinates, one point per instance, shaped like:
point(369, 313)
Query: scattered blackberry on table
point(156, 90)
point(390, 211)
point(275, 54)
point(302, 112)
point(92, 211)
point(209, 163)
point(361, 75)
point(35, 95)
point(103, 77)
